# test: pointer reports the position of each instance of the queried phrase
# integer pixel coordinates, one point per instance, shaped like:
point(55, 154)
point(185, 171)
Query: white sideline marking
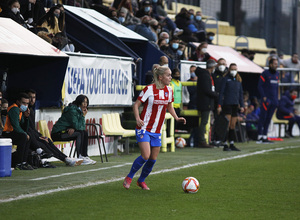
point(24, 196)
point(84, 171)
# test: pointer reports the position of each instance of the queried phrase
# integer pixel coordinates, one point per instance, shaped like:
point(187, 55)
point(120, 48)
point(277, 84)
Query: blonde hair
point(159, 71)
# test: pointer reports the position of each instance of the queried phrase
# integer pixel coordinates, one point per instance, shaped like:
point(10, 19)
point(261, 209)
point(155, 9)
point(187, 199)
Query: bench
point(171, 139)
point(279, 122)
point(112, 127)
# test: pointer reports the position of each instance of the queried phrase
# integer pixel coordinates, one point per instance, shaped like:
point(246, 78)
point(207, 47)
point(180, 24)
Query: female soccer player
point(157, 98)
point(231, 98)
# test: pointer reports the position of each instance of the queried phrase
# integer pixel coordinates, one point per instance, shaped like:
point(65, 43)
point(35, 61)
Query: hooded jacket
point(72, 117)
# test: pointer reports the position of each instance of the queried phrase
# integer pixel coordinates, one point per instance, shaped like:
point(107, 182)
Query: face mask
point(147, 9)
point(166, 65)
point(204, 50)
point(121, 19)
point(293, 97)
point(15, 10)
point(222, 68)
point(23, 108)
point(57, 15)
point(175, 46)
point(4, 112)
point(191, 17)
point(167, 40)
point(158, 30)
point(179, 52)
point(198, 18)
point(211, 37)
point(154, 1)
point(193, 75)
point(233, 73)
point(176, 77)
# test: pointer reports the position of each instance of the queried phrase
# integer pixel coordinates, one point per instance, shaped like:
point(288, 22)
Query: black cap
point(146, 3)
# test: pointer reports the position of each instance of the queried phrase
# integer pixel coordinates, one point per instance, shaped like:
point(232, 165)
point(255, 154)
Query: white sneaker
point(93, 161)
point(73, 162)
point(178, 32)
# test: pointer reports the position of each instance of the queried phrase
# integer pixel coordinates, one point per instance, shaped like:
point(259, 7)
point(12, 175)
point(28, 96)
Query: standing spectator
point(200, 54)
point(44, 144)
point(293, 62)
point(192, 89)
point(158, 98)
point(268, 90)
point(177, 90)
point(206, 95)
point(286, 110)
point(16, 127)
point(71, 126)
point(230, 100)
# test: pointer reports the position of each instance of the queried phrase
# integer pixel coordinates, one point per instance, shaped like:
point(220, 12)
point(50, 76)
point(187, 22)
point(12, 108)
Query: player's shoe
point(234, 148)
point(127, 182)
point(143, 185)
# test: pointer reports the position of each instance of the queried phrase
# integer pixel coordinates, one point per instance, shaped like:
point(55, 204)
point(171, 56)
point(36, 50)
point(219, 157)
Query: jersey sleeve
point(144, 95)
point(171, 94)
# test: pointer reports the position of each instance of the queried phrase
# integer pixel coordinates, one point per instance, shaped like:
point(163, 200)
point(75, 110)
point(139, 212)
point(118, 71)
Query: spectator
point(268, 89)
point(221, 70)
point(177, 90)
point(4, 106)
point(162, 44)
point(183, 22)
point(272, 54)
point(13, 12)
point(32, 10)
point(293, 62)
point(200, 54)
point(153, 23)
point(245, 52)
point(50, 20)
point(144, 29)
point(192, 89)
point(171, 51)
point(210, 37)
point(286, 110)
point(149, 124)
point(71, 126)
point(181, 51)
point(126, 18)
point(164, 61)
point(251, 55)
point(164, 36)
point(205, 95)
point(200, 25)
point(230, 100)
point(146, 9)
point(16, 128)
point(251, 123)
point(43, 145)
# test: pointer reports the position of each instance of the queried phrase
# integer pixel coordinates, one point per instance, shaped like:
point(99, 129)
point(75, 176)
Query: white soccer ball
point(180, 142)
point(190, 185)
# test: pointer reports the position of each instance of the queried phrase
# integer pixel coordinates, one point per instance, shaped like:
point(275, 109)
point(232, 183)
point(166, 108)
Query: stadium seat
point(279, 122)
point(168, 140)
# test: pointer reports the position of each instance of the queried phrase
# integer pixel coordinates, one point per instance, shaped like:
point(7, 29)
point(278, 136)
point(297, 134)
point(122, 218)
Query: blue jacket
point(286, 106)
point(268, 87)
point(231, 92)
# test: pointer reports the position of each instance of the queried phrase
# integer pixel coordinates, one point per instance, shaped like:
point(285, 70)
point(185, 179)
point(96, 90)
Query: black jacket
point(205, 93)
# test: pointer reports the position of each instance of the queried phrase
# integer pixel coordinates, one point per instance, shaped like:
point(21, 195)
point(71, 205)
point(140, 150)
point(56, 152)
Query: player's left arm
point(173, 113)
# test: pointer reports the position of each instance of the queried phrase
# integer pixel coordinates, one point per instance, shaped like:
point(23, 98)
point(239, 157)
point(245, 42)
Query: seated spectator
point(162, 44)
point(200, 54)
point(164, 61)
point(210, 37)
point(183, 22)
point(71, 126)
point(13, 11)
point(251, 55)
point(171, 51)
point(293, 62)
point(126, 18)
point(164, 36)
point(16, 127)
point(32, 10)
point(144, 29)
point(200, 25)
point(245, 52)
point(286, 110)
point(43, 145)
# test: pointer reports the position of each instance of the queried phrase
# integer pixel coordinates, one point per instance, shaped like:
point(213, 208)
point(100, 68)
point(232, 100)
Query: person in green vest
point(177, 90)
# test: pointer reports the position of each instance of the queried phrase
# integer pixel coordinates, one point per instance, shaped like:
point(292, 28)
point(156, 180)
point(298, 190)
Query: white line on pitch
point(24, 196)
point(84, 171)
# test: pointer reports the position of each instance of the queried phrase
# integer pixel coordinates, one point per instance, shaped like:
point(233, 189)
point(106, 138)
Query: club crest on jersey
point(166, 94)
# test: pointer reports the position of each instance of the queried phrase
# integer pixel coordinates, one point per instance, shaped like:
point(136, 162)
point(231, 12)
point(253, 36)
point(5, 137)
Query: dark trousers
point(292, 121)
point(48, 147)
point(265, 118)
point(80, 136)
point(202, 127)
point(19, 139)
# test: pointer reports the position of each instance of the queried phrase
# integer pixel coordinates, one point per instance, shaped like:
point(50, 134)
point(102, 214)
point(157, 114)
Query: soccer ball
point(190, 185)
point(180, 142)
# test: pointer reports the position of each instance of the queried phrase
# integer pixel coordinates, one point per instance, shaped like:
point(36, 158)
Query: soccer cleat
point(47, 165)
point(232, 147)
point(143, 185)
point(127, 182)
point(92, 161)
point(267, 141)
point(26, 166)
point(226, 148)
point(259, 141)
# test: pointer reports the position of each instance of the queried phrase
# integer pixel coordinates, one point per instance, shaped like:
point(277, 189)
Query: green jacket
point(72, 117)
point(15, 120)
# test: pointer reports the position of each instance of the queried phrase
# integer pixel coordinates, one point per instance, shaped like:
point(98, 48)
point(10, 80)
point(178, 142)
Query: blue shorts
point(145, 136)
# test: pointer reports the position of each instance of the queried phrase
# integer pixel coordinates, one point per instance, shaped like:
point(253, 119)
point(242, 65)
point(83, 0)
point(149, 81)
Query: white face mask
point(15, 10)
point(222, 68)
point(166, 65)
point(204, 50)
point(233, 73)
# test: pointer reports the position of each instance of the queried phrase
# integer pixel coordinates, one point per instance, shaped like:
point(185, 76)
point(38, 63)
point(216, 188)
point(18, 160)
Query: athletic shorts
point(145, 136)
point(230, 110)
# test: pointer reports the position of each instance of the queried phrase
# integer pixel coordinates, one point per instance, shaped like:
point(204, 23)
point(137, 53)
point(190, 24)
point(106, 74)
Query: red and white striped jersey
point(155, 105)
